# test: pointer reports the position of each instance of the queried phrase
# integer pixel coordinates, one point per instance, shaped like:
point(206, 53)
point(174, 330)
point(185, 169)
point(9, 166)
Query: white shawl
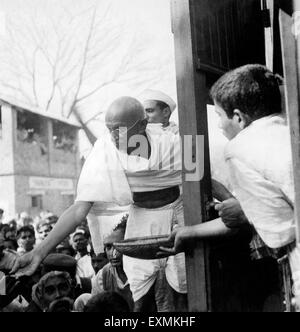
point(109, 177)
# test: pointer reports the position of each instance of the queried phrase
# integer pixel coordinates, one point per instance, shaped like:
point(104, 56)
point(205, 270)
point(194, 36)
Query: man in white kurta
point(117, 170)
point(109, 178)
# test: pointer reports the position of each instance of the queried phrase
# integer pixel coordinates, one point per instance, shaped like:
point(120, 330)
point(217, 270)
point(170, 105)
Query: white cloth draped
point(109, 177)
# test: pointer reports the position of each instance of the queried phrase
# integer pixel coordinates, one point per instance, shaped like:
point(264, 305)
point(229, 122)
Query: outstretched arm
point(182, 236)
point(66, 224)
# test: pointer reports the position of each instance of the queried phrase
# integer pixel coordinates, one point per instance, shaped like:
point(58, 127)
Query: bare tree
point(61, 62)
point(67, 55)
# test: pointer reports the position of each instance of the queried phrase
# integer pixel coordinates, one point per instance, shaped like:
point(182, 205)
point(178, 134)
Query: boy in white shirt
point(248, 102)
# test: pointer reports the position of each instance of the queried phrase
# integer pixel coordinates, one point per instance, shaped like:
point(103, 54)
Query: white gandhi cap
point(159, 96)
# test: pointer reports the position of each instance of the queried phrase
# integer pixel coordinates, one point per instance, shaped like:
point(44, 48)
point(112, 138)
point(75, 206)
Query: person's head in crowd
point(98, 261)
point(107, 302)
point(158, 106)
point(53, 293)
point(59, 262)
point(7, 258)
point(65, 248)
point(80, 242)
point(43, 228)
point(83, 228)
point(11, 244)
point(81, 301)
point(66, 263)
point(4, 228)
point(244, 95)
point(26, 238)
point(124, 119)
point(118, 233)
point(1, 214)
point(13, 224)
point(52, 220)
point(49, 217)
point(11, 233)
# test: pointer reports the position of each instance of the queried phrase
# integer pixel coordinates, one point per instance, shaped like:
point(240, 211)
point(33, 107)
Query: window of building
point(37, 201)
point(32, 128)
point(64, 137)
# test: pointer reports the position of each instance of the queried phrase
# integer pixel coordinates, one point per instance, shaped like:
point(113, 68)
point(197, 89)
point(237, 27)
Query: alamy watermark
point(168, 154)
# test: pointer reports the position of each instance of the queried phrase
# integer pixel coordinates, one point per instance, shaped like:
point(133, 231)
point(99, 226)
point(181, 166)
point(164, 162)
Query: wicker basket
point(144, 247)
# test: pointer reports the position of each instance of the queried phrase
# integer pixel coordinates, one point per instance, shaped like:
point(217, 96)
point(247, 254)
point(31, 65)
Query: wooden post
point(291, 51)
point(296, 8)
point(192, 105)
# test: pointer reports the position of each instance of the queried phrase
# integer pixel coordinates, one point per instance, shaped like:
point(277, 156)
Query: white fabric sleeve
point(102, 178)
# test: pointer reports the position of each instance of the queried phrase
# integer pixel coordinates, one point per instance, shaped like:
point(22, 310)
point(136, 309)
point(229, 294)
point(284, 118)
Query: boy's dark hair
point(121, 226)
point(1, 211)
point(24, 229)
point(252, 89)
point(107, 302)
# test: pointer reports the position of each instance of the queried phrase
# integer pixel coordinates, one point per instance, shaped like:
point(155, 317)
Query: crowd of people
point(128, 168)
point(71, 278)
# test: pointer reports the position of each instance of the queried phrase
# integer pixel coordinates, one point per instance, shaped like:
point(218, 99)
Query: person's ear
point(142, 126)
point(38, 293)
point(240, 119)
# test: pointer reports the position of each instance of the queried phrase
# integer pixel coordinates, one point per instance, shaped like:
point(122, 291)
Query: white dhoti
point(142, 273)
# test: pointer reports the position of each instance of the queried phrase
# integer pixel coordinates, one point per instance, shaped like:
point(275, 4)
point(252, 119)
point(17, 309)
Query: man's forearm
point(65, 225)
point(211, 229)
point(184, 237)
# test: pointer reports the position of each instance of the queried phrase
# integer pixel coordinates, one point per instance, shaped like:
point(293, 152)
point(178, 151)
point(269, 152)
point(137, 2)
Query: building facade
point(40, 161)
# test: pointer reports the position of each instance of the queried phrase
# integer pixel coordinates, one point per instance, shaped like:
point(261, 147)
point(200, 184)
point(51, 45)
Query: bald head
point(126, 119)
point(125, 112)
